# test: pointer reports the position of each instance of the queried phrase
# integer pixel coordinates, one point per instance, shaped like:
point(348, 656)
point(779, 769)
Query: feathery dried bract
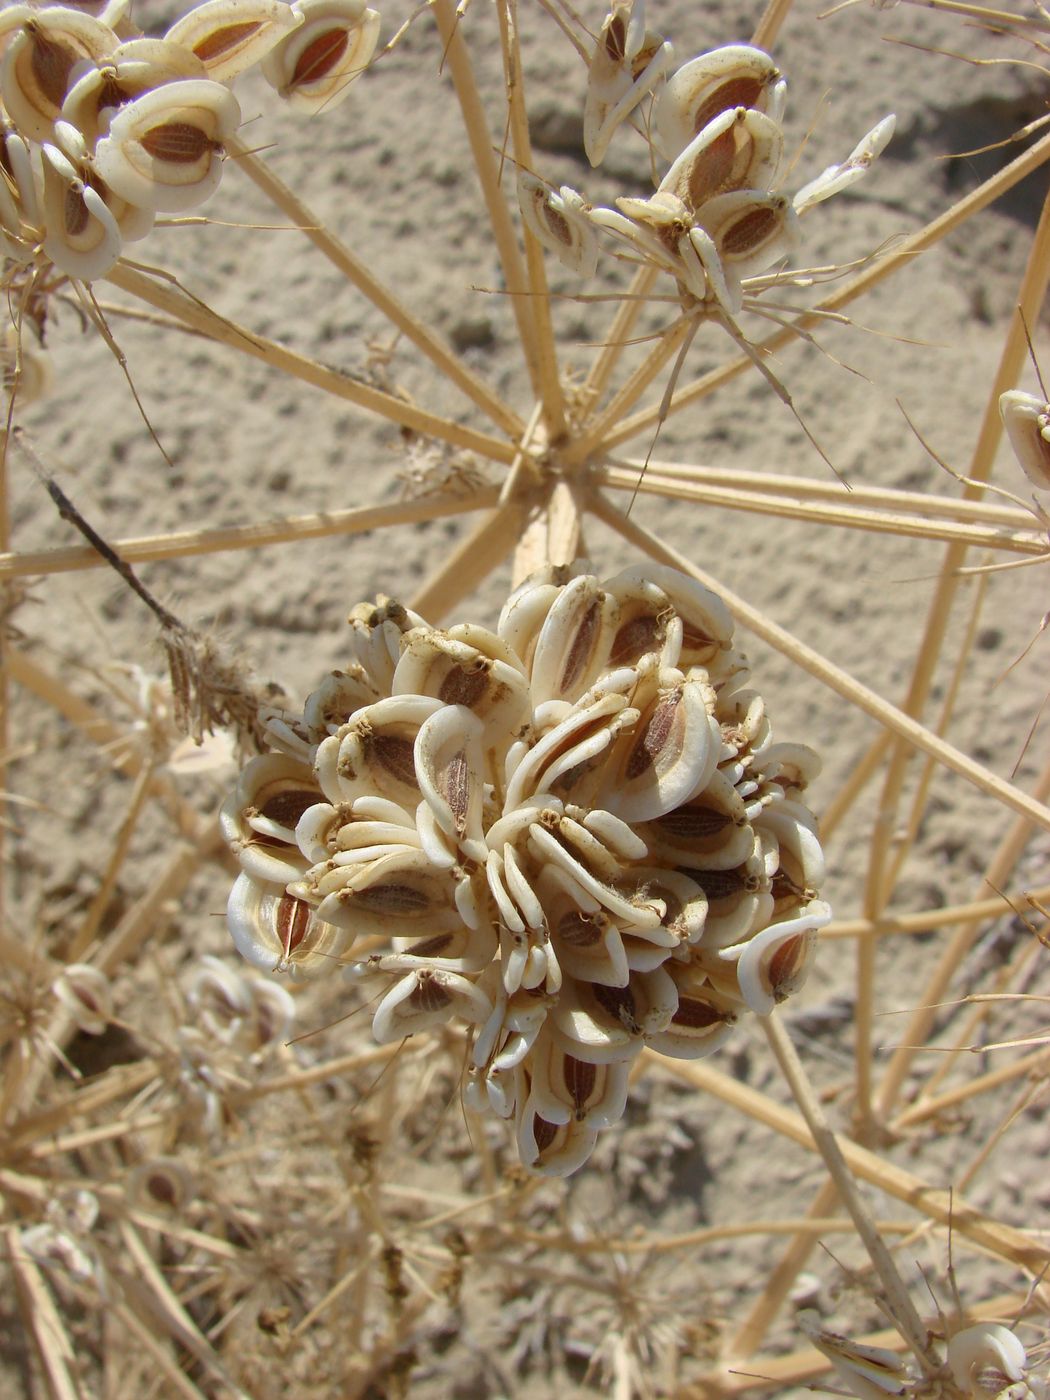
point(569, 835)
point(313, 66)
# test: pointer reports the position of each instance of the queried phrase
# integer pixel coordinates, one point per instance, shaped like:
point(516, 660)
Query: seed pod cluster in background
point(104, 129)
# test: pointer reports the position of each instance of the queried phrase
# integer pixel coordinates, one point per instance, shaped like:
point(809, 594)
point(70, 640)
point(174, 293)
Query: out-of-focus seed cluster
point(574, 834)
point(717, 221)
point(105, 129)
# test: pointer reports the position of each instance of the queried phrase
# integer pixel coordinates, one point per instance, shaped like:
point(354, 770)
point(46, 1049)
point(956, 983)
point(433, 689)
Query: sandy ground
point(391, 174)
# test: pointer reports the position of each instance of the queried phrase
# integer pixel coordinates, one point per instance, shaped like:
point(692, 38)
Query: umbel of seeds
point(573, 836)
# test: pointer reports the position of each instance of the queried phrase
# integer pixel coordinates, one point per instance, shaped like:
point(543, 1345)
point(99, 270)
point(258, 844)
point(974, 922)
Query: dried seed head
point(570, 835)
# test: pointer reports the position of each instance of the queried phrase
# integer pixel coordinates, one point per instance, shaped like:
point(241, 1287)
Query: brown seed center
point(182, 143)
point(221, 41)
point(320, 56)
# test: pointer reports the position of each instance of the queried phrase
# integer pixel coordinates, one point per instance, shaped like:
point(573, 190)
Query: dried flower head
point(573, 834)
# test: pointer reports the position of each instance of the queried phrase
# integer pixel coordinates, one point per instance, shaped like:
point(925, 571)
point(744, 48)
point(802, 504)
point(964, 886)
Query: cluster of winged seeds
point(574, 834)
point(104, 130)
point(717, 220)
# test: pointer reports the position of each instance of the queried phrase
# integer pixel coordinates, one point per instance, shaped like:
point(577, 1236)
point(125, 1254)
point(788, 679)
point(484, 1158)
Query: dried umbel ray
point(573, 834)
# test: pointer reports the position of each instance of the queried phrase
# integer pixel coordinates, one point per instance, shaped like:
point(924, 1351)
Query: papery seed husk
point(82, 238)
point(448, 763)
point(164, 149)
point(669, 756)
point(554, 1150)
point(276, 931)
point(1027, 423)
point(314, 66)
point(737, 75)
point(425, 999)
point(738, 150)
point(40, 64)
point(229, 36)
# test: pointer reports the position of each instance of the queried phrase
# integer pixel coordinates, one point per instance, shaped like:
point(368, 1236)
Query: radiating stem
point(926, 921)
point(481, 550)
point(847, 513)
point(1032, 291)
point(179, 544)
point(940, 1205)
point(449, 365)
point(476, 125)
point(539, 302)
point(168, 298)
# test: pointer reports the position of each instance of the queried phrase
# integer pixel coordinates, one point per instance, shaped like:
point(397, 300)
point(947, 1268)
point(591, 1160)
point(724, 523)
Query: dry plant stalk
point(210, 1179)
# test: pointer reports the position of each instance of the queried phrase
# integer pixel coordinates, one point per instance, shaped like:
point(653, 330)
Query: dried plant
point(216, 1182)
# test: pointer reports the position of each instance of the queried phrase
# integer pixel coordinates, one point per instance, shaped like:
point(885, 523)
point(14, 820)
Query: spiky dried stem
point(806, 488)
point(926, 921)
point(481, 550)
point(939, 1205)
point(929, 1106)
point(763, 1311)
point(877, 891)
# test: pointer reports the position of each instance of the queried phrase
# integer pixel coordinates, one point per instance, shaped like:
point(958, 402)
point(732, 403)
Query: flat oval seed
point(712, 168)
point(178, 142)
point(633, 640)
point(579, 1079)
point(392, 899)
point(285, 808)
point(582, 646)
point(463, 687)
point(75, 213)
point(578, 931)
point(696, 1014)
point(688, 823)
point(785, 962)
point(737, 92)
point(320, 56)
point(292, 922)
point(543, 1132)
point(557, 223)
point(616, 39)
point(656, 734)
point(749, 232)
point(220, 41)
point(51, 63)
point(395, 755)
point(428, 994)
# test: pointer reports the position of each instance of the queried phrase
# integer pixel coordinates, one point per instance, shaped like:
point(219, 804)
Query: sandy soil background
point(391, 173)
